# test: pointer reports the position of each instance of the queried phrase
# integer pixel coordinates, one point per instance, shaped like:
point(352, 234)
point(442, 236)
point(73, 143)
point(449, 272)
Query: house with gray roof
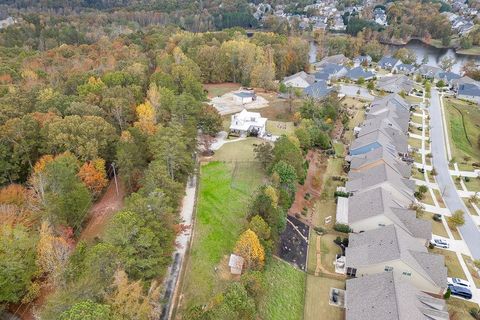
point(389, 296)
point(377, 157)
point(393, 107)
point(395, 84)
point(299, 80)
point(448, 77)
point(362, 60)
point(429, 72)
point(318, 90)
point(469, 91)
point(379, 207)
point(379, 138)
point(359, 73)
point(382, 176)
point(331, 71)
point(463, 80)
point(337, 59)
point(403, 68)
point(388, 63)
point(390, 248)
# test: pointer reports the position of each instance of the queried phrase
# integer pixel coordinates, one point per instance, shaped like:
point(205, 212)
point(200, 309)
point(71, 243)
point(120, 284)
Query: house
point(377, 157)
point(244, 97)
point(469, 91)
point(330, 71)
point(236, 264)
point(299, 80)
point(390, 248)
point(247, 123)
point(318, 90)
point(362, 60)
point(389, 296)
point(359, 73)
point(395, 84)
point(382, 176)
point(407, 69)
point(338, 24)
point(393, 107)
point(456, 83)
point(336, 59)
point(448, 77)
point(388, 63)
point(372, 141)
point(429, 72)
point(382, 206)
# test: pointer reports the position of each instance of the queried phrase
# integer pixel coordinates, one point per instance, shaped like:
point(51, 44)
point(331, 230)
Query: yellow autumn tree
point(249, 247)
point(129, 302)
point(146, 118)
point(93, 175)
point(272, 194)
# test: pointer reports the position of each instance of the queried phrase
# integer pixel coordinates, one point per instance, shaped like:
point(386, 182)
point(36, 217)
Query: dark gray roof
point(327, 70)
point(387, 62)
point(317, 90)
point(389, 141)
point(359, 72)
point(449, 76)
point(392, 106)
point(469, 89)
point(362, 59)
point(393, 243)
point(244, 94)
point(395, 83)
point(386, 296)
point(405, 67)
point(378, 156)
point(429, 71)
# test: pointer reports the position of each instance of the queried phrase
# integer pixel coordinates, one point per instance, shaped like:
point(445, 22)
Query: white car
point(440, 243)
point(458, 282)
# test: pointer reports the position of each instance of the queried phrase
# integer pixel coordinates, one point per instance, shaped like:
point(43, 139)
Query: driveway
point(469, 231)
point(355, 91)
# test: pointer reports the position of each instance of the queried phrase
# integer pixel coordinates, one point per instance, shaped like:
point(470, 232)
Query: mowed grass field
point(284, 298)
point(223, 198)
point(317, 297)
point(464, 129)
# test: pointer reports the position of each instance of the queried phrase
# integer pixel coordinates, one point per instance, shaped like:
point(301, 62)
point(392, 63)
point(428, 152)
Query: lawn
point(416, 119)
point(339, 149)
point(241, 150)
point(221, 209)
point(470, 266)
point(415, 143)
point(413, 99)
point(454, 269)
point(285, 295)
point(417, 174)
point(464, 129)
point(437, 226)
point(327, 206)
point(317, 297)
point(329, 251)
point(278, 127)
point(357, 110)
point(439, 198)
point(219, 89)
point(473, 184)
point(458, 309)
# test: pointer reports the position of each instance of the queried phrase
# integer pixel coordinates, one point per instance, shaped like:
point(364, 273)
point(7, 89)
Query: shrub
point(341, 194)
point(340, 227)
point(319, 230)
point(437, 217)
point(447, 294)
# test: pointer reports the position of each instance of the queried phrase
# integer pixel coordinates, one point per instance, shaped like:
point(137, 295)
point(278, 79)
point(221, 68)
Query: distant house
point(469, 91)
point(407, 69)
point(318, 90)
point(391, 296)
point(448, 77)
point(248, 123)
point(243, 97)
point(357, 73)
point(388, 63)
point(429, 72)
point(394, 107)
point(299, 80)
point(362, 60)
point(330, 71)
point(391, 249)
point(380, 207)
point(236, 264)
point(336, 59)
point(396, 84)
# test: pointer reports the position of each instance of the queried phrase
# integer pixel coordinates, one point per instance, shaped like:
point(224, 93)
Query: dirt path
point(102, 211)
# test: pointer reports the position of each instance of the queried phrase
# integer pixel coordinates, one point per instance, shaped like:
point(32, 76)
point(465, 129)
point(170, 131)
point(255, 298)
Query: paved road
point(469, 231)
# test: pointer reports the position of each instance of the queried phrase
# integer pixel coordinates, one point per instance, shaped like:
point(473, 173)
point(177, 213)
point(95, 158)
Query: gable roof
point(359, 72)
point(388, 62)
point(378, 156)
point(380, 137)
point(328, 70)
point(317, 90)
point(429, 71)
point(302, 75)
point(392, 243)
point(469, 89)
point(449, 76)
point(392, 106)
point(386, 296)
point(395, 83)
point(405, 67)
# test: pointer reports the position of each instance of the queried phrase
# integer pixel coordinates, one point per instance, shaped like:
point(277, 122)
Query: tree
point(260, 227)
point(264, 154)
point(407, 56)
point(93, 175)
point(286, 173)
point(361, 81)
point(287, 151)
point(440, 84)
point(457, 219)
point(446, 63)
point(248, 246)
point(87, 310)
point(209, 120)
point(371, 85)
point(146, 118)
point(17, 262)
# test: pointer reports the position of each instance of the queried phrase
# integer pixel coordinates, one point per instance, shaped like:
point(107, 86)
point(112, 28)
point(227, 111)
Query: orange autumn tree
point(146, 118)
point(93, 175)
point(249, 248)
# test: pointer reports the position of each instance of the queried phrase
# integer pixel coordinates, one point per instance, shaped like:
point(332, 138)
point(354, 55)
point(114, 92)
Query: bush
point(447, 294)
point(341, 194)
point(340, 227)
point(467, 179)
point(320, 230)
point(437, 217)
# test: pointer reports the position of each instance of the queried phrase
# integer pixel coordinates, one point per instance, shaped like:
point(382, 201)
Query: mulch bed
point(291, 246)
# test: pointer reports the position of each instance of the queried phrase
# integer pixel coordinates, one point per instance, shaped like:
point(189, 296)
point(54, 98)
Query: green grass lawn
point(317, 297)
point(222, 205)
point(278, 127)
point(241, 150)
point(339, 149)
point(329, 251)
point(413, 99)
point(416, 119)
point(215, 90)
point(415, 143)
point(473, 184)
point(463, 130)
point(285, 295)
point(454, 269)
point(437, 226)
point(470, 266)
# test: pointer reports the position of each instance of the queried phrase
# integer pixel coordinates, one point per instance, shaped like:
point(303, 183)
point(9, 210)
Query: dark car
point(460, 291)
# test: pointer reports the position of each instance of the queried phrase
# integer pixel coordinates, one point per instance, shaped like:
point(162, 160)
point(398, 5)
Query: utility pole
point(115, 177)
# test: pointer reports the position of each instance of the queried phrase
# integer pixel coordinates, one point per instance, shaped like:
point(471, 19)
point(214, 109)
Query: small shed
point(242, 97)
point(236, 264)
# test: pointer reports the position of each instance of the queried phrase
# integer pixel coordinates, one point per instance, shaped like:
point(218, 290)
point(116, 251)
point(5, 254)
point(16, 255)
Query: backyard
point(241, 150)
point(464, 131)
point(317, 299)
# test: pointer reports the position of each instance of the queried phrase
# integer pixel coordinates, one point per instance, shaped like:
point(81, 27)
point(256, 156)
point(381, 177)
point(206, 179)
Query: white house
point(248, 123)
point(299, 80)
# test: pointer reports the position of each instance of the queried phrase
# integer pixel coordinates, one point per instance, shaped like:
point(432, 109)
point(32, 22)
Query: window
point(406, 273)
point(387, 268)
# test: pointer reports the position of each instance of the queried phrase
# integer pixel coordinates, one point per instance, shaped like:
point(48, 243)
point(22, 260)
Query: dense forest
point(80, 94)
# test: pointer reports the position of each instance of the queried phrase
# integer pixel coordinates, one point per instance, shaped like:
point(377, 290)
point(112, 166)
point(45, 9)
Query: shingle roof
point(449, 76)
point(387, 62)
point(302, 74)
point(386, 296)
point(393, 243)
point(328, 70)
point(359, 72)
point(317, 90)
point(469, 89)
point(392, 142)
point(378, 156)
point(406, 67)
point(395, 83)
point(429, 71)
point(392, 106)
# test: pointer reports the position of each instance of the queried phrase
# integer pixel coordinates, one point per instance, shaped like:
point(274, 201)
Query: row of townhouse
point(392, 274)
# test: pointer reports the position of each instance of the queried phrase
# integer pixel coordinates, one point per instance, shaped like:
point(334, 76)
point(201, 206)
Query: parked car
point(458, 282)
point(439, 243)
point(460, 291)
